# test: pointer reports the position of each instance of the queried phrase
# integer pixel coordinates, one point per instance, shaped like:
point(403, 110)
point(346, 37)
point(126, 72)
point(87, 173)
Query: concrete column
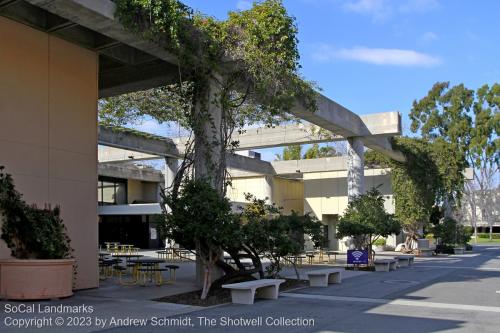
point(268, 190)
point(171, 166)
point(355, 167)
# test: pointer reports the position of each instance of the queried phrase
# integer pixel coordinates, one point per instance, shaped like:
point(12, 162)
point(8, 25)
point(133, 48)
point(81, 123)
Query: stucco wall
point(134, 190)
point(326, 192)
point(258, 186)
point(285, 193)
point(289, 194)
point(48, 132)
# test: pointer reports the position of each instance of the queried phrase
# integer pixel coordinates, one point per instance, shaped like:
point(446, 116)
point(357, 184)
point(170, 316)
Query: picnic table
point(332, 253)
point(150, 268)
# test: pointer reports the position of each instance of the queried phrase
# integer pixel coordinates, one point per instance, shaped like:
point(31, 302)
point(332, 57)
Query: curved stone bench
point(385, 265)
point(322, 277)
point(245, 292)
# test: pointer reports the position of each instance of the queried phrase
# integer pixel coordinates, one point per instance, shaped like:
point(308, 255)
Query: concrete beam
point(249, 164)
point(117, 155)
point(134, 209)
point(137, 141)
point(130, 172)
point(164, 147)
point(339, 120)
point(325, 164)
point(99, 16)
point(380, 124)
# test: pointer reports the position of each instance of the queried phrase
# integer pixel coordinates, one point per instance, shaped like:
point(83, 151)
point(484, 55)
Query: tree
point(365, 220)
point(232, 73)
point(277, 236)
point(415, 184)
point(315, 151)
point(451, 233)
point(259, 231)
point(469, 121)
point(290, 153)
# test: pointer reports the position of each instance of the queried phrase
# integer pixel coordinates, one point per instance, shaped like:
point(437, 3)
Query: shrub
point(450, 232)
point(31, 232)
point(366, 216)
point(487, 235)
point(380, 242)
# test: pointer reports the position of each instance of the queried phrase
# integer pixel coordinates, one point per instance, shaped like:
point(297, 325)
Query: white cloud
point(377, 56)
point(377, 9)
point(381, 10)
point(243, 5)
point(428, 37)
point(418, 6)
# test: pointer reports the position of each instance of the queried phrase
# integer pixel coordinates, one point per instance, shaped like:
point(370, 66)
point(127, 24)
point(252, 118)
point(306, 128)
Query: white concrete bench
point(386, 265)
point(405, 261)
point(244, 292)
point(322, 277)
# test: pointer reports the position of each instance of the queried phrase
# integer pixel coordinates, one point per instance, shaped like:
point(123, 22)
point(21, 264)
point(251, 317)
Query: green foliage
point(255, 49)
point(380, 242)
point(202, 219)
point(431, 173)
point(450, 232)
point(199, 217)
point(467, 120)
point(364, 217)
point(290, 153)
point(315, 151)
point(276, 236)
point(30, 232)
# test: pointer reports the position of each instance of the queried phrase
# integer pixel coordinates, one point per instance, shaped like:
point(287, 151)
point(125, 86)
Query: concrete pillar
point(171, 166)
point(268, 190)
point(355, 167)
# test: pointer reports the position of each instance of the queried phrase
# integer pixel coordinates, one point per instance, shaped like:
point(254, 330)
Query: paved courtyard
point(456, 293)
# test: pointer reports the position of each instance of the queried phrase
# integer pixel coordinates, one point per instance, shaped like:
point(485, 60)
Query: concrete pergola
point(129, 63)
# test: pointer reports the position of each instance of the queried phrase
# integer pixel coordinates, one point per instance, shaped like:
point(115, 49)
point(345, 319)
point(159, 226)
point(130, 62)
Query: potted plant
point(41, 267)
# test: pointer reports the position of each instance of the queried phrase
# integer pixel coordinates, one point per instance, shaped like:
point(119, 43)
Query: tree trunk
point(209, 158)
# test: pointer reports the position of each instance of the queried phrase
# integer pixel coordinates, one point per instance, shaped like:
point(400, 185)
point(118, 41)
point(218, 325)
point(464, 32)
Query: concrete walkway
point(456, 293)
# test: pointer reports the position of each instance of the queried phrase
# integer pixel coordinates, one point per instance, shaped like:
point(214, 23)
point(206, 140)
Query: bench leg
point(335, 278)
point(270, 292)
point(393, 266)
point(381, 267)
point(403, 263)
point(242, 296)
point(318, 280)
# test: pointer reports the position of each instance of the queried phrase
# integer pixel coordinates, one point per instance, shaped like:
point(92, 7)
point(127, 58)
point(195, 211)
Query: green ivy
point(431, 173)
point(31, 232)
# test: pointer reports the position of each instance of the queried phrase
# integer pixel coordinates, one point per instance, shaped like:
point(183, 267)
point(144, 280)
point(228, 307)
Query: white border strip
point(397, 302)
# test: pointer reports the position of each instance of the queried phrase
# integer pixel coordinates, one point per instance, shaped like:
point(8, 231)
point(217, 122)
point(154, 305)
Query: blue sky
point(379, 55)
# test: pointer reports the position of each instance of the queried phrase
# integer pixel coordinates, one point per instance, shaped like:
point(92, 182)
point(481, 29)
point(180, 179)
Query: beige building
point(321, 193)
point(47, 141)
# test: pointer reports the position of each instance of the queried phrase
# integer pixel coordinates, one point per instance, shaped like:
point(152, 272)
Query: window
point(111, 191)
